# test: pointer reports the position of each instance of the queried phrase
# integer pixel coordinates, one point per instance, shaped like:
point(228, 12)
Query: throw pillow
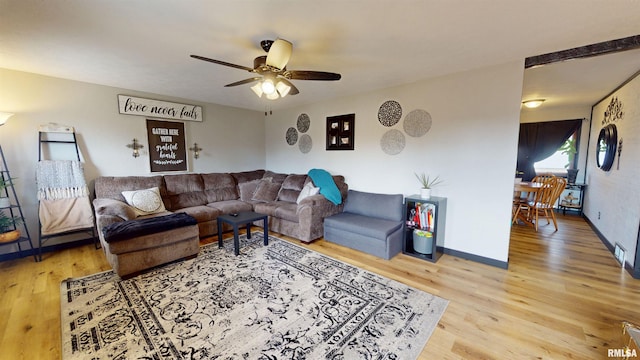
point(266, 191)
point(247, 189)
point(307, 191)
point(145, 202)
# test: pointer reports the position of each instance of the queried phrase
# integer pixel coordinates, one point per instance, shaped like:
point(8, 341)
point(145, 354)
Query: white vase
point(425, 193)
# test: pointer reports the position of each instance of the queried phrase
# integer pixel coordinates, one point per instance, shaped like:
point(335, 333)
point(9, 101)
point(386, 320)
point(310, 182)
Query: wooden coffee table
point(242, 218)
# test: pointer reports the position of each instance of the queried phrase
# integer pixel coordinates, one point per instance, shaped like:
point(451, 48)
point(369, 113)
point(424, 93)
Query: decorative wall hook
point(619, 152)
point(135, 145)
point(196, 150)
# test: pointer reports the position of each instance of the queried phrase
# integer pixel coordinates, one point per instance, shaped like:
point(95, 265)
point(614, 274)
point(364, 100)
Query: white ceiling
point(145, 45)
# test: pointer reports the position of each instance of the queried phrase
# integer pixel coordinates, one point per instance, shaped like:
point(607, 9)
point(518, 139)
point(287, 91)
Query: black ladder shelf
point(44, 139)
point(15, 210)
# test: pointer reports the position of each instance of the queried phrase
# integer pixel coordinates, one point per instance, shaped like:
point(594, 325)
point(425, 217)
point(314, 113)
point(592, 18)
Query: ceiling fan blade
point(245, 81)
point(311, 75)
point(294, 90)
point(279, 54)
point(222, 63)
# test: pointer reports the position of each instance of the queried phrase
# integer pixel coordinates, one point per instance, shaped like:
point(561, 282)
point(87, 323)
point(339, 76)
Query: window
point(559, 161)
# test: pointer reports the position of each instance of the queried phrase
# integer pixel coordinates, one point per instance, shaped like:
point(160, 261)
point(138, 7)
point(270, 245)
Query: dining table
point(530, 188)
point(527, 186)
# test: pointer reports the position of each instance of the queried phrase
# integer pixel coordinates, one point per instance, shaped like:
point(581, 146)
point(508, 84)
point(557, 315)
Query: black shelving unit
point(431, 217)
point(14, 210)
point(575, 203)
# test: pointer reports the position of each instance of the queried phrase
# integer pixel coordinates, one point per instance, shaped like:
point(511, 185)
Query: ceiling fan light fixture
point(268, 87)
point(273, 96)
point(532, 104)
point(283, 88)
point(279, 54)
point(257, 88)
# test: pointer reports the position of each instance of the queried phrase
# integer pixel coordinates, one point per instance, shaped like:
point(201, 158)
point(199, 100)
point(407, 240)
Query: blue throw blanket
point(328, 188)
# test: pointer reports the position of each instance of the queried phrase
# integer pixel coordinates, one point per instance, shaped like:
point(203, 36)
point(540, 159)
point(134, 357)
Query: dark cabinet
point(424, 225)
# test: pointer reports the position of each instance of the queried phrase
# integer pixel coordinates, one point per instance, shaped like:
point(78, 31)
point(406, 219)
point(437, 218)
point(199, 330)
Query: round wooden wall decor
point(303, 123)
point(392, 142)
point(305, 143)
point(292, 136)
point(417, 123)
point(389, 113)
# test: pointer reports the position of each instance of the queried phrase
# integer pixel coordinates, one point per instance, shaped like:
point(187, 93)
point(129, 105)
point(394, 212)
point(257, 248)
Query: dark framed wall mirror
point(606, 147)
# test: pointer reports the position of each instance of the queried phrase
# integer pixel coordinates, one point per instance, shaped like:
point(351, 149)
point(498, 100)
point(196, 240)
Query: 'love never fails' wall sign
point(129, 105)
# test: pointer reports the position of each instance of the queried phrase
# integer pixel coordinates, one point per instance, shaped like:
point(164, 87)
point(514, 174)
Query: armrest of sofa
point(321, 205)
point(106, 206)
point(311, 213)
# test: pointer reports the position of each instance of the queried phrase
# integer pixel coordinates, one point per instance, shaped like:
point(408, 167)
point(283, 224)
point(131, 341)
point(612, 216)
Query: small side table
point(242, 218)
point(569, 204)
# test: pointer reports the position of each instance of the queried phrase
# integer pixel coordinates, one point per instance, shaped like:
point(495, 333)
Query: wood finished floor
point(563, 297)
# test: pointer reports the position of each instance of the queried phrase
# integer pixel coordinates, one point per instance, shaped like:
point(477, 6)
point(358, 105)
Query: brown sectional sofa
point(206, 196)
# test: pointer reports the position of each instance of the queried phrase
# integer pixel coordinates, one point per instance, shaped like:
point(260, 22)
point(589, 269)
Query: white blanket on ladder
point(64, 197)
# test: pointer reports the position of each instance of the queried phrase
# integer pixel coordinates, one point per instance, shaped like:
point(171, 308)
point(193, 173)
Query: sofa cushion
point(201, 213)
point(266, 191)
point(267, 208)
point(185, 190)
point(112, 186)
point(145, 202)
point(363, 225)
point(291, 187)
point(106, 206)
point(231, 206)
point(382, 206)
point(219, 187)
point(245, 176)
point(247, 189)
point(275, 177)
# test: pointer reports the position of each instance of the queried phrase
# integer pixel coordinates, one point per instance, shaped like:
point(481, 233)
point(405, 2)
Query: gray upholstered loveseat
point(370, 222)
point(206, 196)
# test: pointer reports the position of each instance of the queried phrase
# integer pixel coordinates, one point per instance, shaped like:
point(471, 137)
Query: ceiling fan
point(272, 75)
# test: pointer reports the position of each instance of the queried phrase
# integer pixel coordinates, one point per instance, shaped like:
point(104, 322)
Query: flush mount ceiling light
point(532, 104)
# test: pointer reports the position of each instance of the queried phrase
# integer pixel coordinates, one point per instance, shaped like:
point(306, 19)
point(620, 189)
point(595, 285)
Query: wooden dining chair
point(543, 205)
point(522, 200)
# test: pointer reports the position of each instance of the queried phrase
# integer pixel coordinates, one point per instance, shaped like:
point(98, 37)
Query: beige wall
point(232, 139)
point(472, 145)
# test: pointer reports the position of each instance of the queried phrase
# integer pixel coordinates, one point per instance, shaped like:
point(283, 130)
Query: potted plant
point(569, 149)
point(8, 231)
point(427, 184)
point(4, 199)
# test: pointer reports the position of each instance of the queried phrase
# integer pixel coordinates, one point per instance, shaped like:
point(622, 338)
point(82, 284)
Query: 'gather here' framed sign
point(167, 150)
point(130, 105)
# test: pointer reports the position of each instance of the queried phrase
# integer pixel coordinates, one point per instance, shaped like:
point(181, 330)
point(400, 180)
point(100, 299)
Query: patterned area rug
point(280, 301)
